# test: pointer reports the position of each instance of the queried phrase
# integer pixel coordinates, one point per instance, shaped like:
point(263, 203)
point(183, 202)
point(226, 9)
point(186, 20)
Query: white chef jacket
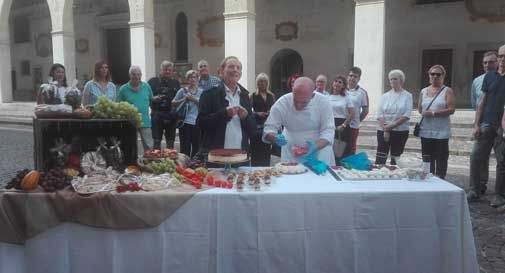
point(312, 123)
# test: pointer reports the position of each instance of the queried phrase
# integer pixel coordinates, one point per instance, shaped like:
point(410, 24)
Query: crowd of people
point(220, 113)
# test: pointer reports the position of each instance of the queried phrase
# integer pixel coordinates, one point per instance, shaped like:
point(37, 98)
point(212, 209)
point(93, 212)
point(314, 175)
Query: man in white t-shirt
point(359, 98)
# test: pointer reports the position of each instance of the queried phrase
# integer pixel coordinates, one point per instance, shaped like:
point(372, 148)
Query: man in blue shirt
point(488, 128)
point(489, 62)
point(206, 81)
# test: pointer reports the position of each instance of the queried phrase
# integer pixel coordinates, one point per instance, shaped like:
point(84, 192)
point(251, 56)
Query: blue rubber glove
point(280, 140)
point(311, 154)
point(317, 166)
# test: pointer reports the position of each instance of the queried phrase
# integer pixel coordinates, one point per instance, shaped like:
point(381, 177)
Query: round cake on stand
point(227, 157)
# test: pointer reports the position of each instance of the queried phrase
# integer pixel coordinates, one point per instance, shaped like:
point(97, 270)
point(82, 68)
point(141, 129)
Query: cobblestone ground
point(488, 224)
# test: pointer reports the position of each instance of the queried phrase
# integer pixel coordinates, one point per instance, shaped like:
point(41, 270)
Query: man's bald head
point(303, 91)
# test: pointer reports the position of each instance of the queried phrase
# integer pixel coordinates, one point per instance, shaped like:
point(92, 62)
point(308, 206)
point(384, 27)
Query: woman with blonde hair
point(436, 105)
point(262, 100)
point(393, 115)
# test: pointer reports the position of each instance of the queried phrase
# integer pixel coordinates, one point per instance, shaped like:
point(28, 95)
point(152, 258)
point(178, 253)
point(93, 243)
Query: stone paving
point(488, 223)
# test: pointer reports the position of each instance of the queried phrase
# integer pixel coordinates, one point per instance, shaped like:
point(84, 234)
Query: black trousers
point(437, 150)
point(162, 126)
point(189, 136)
point(395, 146)
point(260, 151)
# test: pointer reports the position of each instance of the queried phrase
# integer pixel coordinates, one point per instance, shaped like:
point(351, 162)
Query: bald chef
point(307, 117)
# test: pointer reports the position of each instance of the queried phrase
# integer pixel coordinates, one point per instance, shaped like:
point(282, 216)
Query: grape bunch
point(54, 180)
point(105, 109)
point(15, 182)
point(166, 165)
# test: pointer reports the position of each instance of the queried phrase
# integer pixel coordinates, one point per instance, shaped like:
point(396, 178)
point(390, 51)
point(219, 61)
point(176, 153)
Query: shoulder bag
point(417, 128)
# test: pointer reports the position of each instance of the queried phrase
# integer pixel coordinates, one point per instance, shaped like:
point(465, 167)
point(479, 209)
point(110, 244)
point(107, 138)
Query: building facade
point(276, 37)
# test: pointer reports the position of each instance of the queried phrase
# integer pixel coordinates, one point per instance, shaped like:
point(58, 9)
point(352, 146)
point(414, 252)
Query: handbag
point(417, 127)
point(339, 146)
point(179, 113)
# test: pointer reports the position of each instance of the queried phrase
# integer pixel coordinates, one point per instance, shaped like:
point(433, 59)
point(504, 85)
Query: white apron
point(300, 127)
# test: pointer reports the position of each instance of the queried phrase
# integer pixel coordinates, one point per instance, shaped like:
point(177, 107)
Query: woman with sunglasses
point(436, 105)
point(394, 112)
point(343, 113)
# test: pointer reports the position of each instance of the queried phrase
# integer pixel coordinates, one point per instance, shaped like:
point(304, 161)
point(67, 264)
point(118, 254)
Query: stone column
point(240, 37)
point(369, 48)
point(142, 36)
point(62, 20)
point(5, 53)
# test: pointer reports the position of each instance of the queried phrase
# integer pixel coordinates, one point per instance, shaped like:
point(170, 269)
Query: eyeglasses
point(501, 56)
point(435, 74)
point(339, 81)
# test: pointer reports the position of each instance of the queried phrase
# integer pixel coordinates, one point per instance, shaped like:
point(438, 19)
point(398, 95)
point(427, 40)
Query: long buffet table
point(301, 223)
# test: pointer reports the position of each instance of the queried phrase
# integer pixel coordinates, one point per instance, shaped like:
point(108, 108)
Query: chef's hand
point(311, 153)
point(242, 112)
point(280, 140)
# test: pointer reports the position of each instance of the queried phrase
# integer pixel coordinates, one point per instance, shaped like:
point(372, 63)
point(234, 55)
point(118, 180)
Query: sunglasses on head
point(436, 74)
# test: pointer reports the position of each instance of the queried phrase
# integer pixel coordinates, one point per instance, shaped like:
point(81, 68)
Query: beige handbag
point(338, 145)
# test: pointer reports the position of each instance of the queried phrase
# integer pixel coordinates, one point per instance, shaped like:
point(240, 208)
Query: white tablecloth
point(302, 223)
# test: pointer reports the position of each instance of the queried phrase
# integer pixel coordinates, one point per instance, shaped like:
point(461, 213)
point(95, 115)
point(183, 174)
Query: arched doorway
point(30, 47)
point(283, 64)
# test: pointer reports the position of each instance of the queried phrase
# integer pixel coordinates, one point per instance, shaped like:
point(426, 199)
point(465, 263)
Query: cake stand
point(227, 165)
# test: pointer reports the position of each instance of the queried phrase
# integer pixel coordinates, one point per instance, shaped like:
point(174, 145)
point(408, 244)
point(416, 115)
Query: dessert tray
point(382, 173)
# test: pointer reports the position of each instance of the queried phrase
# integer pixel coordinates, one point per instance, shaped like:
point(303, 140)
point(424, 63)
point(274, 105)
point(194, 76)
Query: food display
point(383, 173)
point(15, 182)
point(54, 180)
point(290, 168)
point(30, 181)
point(227, 155)
point(170, 153)
point(166, 165)
point(159, 182)
point(96, 182)
point(107, 109)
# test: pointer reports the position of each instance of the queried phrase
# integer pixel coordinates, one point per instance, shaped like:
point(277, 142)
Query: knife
point(330, 170)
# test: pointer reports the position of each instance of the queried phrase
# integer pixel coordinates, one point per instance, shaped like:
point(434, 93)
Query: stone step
point(457, 133)
point(456, 146)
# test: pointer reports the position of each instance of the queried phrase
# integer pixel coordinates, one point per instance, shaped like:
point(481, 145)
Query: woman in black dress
point(262, 100)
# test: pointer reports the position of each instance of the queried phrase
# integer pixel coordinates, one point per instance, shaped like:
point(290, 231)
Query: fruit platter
point(377, 172)
point(158, 154)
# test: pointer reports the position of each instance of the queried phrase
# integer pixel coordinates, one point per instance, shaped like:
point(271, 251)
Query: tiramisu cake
point(227, 155)
point(290, 167)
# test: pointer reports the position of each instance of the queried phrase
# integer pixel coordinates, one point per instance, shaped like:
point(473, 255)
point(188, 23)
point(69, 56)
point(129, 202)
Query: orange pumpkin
point(30, 181)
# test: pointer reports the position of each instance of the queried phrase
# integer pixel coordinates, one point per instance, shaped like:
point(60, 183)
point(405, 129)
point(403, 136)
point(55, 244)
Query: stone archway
point(283, 64)
point(5, 52)
point(29, 48)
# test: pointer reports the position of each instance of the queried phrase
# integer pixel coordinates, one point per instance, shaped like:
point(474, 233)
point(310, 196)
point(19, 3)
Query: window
point(181, 37)
point(21, 29)
point(25, 68)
